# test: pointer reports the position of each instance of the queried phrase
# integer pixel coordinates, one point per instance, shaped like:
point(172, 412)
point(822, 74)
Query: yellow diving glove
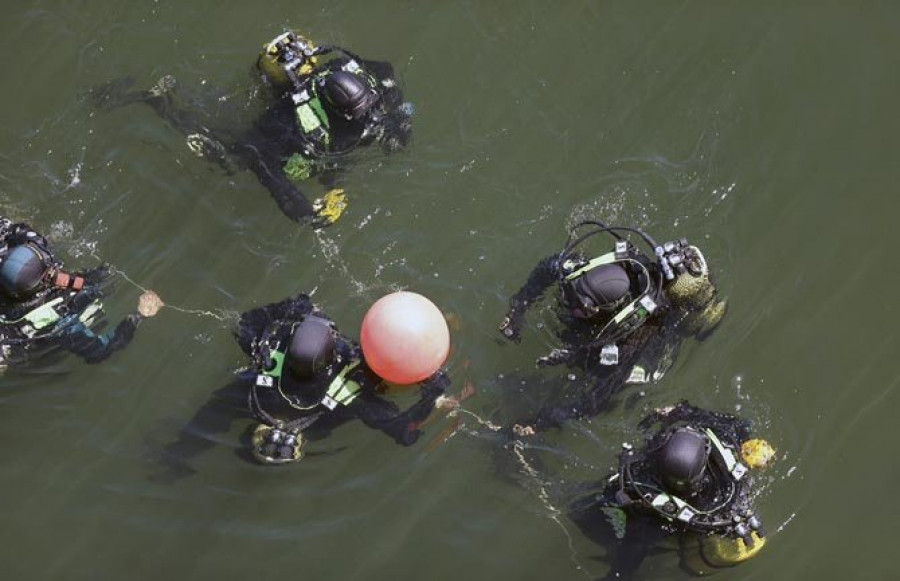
point(329, 207)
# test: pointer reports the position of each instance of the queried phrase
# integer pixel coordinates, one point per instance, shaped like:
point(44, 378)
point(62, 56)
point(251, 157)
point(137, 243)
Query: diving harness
point(668, 265)
point(730, 517)
point(276, 441)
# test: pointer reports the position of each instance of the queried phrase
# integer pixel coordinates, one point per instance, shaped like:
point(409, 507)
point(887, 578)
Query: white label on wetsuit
point(351, 66)
point(738, 471)
point(609, 355)
point(329, 402)
point(265, 380)
point(638, 376)
point(648, 304)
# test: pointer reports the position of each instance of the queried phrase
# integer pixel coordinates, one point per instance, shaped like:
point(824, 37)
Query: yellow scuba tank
point(705, 554)
point(279, 56)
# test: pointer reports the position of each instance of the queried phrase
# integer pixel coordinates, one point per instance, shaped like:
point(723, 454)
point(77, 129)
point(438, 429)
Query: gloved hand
point(555, 357)
point(329, 208)
point(510, 330)
point(149, 304)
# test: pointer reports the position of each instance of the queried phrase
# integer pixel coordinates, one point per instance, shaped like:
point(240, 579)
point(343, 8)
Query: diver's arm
point(76, 337)
point(403, 427)
point(586, 405)
point(215, 417)
point(266, 148)
point(541, 278)
point(287, 195)
point(96, 275)
point(642, 535)
point(396, 126)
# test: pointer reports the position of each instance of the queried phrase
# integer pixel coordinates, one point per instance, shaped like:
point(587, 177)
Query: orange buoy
point(404, 338)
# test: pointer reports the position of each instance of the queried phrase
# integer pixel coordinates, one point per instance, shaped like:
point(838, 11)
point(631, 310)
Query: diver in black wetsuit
point(691, 479)
point(621, 310)
point(320, 111)
point(305, 380)
point(42, 306)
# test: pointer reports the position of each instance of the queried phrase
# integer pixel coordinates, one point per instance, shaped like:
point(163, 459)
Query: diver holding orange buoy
point(693, 478)
point(325, 101)
point(307, 378)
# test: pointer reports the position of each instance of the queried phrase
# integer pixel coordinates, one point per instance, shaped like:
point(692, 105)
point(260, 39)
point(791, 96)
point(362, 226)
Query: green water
point(765, 131)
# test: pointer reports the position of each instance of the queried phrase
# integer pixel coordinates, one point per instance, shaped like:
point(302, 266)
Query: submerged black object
point(349, 94)
point(602, 288)
point(682, 460)
point(312, 347)
point(22, 271)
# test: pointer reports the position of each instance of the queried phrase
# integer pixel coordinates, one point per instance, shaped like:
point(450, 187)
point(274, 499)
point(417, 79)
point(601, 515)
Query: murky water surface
point(767, 132)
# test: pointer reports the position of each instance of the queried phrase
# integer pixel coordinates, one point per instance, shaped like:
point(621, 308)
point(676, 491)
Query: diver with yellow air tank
point(693, 478)
point(624, 313)
point(325, 102)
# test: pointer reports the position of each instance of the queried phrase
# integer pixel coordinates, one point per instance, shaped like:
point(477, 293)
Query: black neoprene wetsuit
point(632, 532)
point(74, 330)
point(650, 345)
point(275, 136)
point(274, 323)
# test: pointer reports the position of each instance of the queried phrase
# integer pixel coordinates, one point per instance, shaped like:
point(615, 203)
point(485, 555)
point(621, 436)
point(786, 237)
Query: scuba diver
point(326, 101)
point(691, 479)
point(305, 379)
point(622, 312)
point(44, 306)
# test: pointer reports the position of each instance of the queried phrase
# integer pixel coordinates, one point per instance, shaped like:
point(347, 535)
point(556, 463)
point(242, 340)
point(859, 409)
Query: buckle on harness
point(648, 304)
point(351, 66)
point(685, 515)
point(609, 355)
point(738, 471)
point(329, 402)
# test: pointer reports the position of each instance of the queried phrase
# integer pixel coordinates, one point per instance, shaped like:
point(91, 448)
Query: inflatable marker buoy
point(404, 338)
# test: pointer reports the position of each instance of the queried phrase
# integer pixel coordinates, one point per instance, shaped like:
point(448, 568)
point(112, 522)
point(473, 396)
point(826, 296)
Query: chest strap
point(608, 258)
point(342, 390)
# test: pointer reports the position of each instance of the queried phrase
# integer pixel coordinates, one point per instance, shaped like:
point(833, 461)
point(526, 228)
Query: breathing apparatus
point(287, 59)
point(730, 516)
